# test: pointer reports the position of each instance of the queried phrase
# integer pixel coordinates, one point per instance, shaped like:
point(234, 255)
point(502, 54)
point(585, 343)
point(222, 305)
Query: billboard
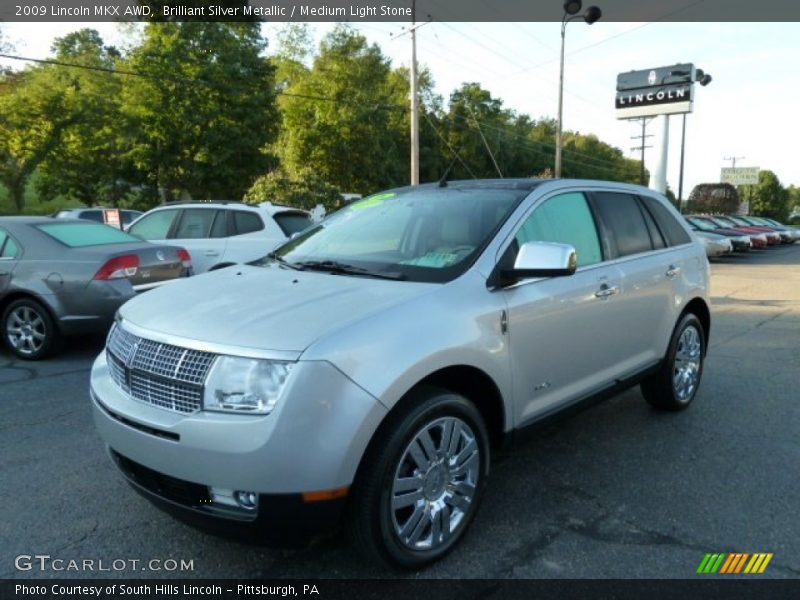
point(739, 175)
point(659, 91)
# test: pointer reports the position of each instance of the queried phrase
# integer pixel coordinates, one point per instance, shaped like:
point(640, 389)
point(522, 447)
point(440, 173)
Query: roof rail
point(175, 202)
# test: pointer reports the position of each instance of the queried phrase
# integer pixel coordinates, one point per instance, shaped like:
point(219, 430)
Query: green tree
point(304, 190)
point(37, 105)
point(769, 198)
point(340, 118)
point(713, 198)
point(203, 110)
point(89, 165)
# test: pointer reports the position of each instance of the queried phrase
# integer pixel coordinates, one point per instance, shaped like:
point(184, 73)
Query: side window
point(622, 215)
point(655, 233)
point(292, 222)
point(195, 224)
point(92, 215)
point(220, 227)
point(669, 226)
point(247, 222)
point(8, 247)
point(565, 219)
point(154, 226)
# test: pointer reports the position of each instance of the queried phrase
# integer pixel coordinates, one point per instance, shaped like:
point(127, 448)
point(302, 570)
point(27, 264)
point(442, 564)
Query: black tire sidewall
point(437, 405)
point(49, 328)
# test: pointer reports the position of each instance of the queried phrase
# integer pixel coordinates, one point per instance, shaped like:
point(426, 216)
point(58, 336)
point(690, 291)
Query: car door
point(560, 328)
point(250, 238)
point(648, 266)
point(203, 232)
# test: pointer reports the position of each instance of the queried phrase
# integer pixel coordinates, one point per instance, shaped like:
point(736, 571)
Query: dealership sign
point(739, 175)
point(660, 91)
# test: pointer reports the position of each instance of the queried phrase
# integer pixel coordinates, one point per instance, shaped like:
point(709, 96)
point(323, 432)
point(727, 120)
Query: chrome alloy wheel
point(686, 367)
point(26, 330)
point(435, 483)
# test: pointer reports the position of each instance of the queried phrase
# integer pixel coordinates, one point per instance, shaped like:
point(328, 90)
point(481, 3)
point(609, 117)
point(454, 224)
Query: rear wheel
point(28, 330)
point(675, 385)
point(420, 487)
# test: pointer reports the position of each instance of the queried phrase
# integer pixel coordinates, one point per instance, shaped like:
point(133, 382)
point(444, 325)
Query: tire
point(669, 389)
point(28, 330)
point(413, 534)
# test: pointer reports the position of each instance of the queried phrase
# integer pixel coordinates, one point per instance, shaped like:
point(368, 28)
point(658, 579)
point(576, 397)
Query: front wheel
point(422, 483)
point(675, 385)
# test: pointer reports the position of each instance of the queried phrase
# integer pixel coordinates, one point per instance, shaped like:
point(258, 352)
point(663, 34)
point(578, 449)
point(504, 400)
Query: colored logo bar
point(734, 562)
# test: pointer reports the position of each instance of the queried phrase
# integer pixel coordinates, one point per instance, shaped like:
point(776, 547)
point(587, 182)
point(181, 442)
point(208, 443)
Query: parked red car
point(773, 237)
point(758, 239)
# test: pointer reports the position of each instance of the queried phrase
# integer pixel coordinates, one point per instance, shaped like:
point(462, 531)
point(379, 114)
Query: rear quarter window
point(673, 231)
point(292, 222)
point(247, 222)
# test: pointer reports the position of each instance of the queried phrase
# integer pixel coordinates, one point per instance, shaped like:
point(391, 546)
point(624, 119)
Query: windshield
point(430, 234)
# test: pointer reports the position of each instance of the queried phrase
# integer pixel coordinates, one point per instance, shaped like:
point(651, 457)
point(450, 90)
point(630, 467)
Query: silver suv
point(370, 366)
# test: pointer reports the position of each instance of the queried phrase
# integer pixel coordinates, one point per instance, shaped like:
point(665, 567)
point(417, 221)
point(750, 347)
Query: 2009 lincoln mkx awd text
point(367, 368)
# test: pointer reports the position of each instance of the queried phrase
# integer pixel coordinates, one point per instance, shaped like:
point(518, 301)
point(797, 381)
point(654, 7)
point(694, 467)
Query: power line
point(441, 137)
point(116, 71)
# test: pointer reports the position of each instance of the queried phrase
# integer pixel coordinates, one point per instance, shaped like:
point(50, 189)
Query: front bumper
point(312, 441)
point(284, 519)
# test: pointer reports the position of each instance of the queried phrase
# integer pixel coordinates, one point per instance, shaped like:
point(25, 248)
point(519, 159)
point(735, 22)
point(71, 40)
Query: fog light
point(248, 500)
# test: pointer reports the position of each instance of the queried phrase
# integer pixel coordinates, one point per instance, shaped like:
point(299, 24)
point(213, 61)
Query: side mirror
point(543, 259)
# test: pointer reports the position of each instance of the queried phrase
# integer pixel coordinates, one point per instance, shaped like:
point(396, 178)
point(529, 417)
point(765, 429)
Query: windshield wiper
point(282, 261)
point(333, 266)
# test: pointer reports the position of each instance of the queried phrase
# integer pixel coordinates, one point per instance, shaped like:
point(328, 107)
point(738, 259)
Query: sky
point(748, 111)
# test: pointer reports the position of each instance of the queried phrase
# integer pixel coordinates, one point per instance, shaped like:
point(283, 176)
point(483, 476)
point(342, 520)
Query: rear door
point(644, 314)
point(203, 232)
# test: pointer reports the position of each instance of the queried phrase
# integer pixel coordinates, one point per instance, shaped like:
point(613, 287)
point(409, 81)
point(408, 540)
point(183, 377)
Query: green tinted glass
point(565, 219)
point(77, 235)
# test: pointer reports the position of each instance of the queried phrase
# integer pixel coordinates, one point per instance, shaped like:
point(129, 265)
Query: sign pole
point(658, 178)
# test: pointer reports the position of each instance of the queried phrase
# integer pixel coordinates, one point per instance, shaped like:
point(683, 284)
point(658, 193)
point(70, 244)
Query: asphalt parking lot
point(617, 491)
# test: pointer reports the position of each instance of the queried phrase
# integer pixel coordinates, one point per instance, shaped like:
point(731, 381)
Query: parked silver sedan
point(715, 245)
point(68, 276)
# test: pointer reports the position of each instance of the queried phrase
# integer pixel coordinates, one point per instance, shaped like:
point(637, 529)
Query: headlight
point(245, 385)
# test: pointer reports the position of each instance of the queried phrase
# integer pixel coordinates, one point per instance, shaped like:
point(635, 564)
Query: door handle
point(212, 253)
point(672, 271)
point(605, 291)
point(3, 273)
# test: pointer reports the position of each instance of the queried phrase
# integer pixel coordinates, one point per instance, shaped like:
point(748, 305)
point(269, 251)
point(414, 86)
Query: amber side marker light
point(326, 494)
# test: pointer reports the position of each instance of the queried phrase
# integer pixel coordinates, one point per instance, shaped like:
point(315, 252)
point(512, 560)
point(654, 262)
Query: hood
point(264, 308)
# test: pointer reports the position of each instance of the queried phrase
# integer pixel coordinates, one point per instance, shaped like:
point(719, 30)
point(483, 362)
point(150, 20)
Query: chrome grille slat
point(167, 376)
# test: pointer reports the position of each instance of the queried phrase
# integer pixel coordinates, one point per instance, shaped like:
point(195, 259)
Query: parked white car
point(221, 233)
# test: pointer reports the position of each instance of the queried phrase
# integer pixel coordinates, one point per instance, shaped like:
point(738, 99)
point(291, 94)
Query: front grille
point(160, 374)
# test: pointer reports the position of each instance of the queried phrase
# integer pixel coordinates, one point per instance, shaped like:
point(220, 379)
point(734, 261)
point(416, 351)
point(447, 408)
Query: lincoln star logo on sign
point(651, 79)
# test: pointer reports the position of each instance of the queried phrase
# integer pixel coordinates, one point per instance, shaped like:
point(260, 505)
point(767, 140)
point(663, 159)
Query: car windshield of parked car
point(78, 235)
point(702, 224)
point(432, 234)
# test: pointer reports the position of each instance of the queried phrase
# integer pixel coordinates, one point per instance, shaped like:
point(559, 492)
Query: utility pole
point(414, 92)
point(414, 100)
point(642, 137)
point(733, 159)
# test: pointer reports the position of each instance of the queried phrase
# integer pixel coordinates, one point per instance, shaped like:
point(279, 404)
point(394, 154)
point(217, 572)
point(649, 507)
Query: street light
point(591, 15)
